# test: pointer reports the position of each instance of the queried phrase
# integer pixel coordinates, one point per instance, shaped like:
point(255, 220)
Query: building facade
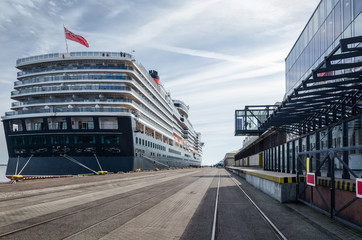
point(331, 21)
point(317, 128)
point(229, 159)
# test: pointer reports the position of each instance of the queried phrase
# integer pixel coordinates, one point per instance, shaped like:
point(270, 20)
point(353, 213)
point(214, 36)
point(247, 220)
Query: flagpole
point(66, 44)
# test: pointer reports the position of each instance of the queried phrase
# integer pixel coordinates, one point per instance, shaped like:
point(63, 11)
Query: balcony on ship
point(135, 91)
point(61, 101)
point(75, 89)
point(73, 68)
point(70, 77)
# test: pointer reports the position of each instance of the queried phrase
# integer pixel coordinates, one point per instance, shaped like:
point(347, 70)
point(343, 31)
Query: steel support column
point(310, 156)
point(300, 149)
point(293, 160)
point(279, 159)
point(288, 157)
point(345, 174)
point(318, 155)
point(330, 145)
point(283, 158)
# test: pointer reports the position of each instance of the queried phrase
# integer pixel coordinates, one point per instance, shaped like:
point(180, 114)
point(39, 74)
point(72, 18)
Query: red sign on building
point(359, 187)
point(311, 179)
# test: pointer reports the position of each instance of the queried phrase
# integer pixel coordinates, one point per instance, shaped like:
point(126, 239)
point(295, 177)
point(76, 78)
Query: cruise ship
point(90, 112)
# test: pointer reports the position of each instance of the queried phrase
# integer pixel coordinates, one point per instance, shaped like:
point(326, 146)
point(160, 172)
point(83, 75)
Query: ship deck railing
point(66, 110)
point(41, 58)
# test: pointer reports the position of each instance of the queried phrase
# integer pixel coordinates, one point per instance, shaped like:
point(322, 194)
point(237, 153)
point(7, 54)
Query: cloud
point(162, 23)
point(200, 53)
point(216, 55)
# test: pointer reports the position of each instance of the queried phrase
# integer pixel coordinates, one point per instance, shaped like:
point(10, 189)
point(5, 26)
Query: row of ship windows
point(62, 150)
point(146, 143)
point(64, 139)
point(59, 123)
point(141, 153)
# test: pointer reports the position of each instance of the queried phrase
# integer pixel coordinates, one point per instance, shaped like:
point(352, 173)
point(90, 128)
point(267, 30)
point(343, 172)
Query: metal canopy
point(331, 92)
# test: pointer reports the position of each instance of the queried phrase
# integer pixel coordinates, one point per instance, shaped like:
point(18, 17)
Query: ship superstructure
point(80, 112)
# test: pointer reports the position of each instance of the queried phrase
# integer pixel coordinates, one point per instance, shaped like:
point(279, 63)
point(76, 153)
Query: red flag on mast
point(77, 38)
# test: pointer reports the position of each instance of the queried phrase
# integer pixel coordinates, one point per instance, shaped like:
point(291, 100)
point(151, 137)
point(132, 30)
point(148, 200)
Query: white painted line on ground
point(215, 212)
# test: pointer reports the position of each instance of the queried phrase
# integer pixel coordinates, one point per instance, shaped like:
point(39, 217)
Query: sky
point(215, 55)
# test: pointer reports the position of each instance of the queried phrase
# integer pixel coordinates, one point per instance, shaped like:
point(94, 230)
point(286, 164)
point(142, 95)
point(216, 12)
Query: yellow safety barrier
point(102, 172)
point(17, 177)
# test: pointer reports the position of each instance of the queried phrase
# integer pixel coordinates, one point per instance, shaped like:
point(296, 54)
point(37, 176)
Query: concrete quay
point(169, 204)
point(280, 186)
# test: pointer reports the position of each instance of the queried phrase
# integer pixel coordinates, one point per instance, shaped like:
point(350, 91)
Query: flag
point(76, 38)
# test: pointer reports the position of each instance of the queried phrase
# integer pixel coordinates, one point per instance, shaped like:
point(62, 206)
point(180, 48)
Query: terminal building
point(317, 127)
point(228, 160)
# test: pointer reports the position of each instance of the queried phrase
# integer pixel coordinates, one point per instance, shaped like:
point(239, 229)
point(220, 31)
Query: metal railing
point(43, 57)
point(69, 88)
point(71, 77)
point(60, 110)
point(305, 159)
point(73, 68)
point(74, 100)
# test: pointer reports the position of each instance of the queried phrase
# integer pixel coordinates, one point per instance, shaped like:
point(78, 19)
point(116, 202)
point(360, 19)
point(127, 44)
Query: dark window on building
point(58, 123)
point(18, 140)
point(15, 126)
point(82, 123)
point(37, 140)
point(59, 139)
point(110, 139)
point(84, 139)
point(34, 124)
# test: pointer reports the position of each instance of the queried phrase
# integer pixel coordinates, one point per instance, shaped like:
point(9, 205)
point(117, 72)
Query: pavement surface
point(170, 204)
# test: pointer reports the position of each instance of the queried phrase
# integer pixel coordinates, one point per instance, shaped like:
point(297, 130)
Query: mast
point(66, 44)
